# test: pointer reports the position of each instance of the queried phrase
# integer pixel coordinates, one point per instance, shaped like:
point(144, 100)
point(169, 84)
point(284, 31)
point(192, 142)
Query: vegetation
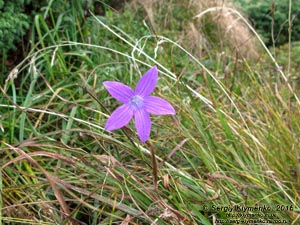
point(13, 23)
point(234, 141)
point(271, 19)
point(17, 24)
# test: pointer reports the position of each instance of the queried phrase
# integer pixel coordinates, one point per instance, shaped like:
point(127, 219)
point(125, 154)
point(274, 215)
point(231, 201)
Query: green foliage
point(23, 22)
point(262, 13)
point(16, 17)
point(13, 23)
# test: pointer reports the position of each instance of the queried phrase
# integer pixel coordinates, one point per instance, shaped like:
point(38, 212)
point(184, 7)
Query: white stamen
point(137, 101)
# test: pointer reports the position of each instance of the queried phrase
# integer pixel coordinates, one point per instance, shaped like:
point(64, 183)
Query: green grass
point(233, 141)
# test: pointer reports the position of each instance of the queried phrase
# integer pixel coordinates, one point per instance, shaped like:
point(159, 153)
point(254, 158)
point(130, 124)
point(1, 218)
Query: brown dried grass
point(229, 30)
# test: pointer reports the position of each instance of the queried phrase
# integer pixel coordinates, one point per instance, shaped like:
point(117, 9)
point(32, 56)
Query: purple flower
point(138, 104)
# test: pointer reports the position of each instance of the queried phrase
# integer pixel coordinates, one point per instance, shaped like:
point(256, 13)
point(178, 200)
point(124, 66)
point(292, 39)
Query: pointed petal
point(147, 83)
point(157, 106)
point(119, 118)
point(142, 124)
point(119, 91)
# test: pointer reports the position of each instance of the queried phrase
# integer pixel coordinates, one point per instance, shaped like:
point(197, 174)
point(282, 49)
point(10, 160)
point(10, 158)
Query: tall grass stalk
point(290, 36)
point(278, 67)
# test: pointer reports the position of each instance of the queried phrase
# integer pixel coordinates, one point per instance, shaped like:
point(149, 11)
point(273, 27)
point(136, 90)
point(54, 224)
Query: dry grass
point(231, 32)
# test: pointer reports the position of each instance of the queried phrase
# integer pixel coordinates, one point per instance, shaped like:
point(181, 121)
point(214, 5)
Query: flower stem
point(154, 166)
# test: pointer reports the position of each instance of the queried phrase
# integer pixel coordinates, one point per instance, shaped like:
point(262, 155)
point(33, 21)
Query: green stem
point(154, 166)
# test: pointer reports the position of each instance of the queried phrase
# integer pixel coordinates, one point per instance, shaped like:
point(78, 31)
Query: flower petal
point(157, 106)
point(142, 124)
point(147, 83)
point(119, 91)
point(119, 118)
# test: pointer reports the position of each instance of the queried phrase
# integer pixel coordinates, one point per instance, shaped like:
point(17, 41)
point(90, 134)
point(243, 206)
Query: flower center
point(137, 101)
